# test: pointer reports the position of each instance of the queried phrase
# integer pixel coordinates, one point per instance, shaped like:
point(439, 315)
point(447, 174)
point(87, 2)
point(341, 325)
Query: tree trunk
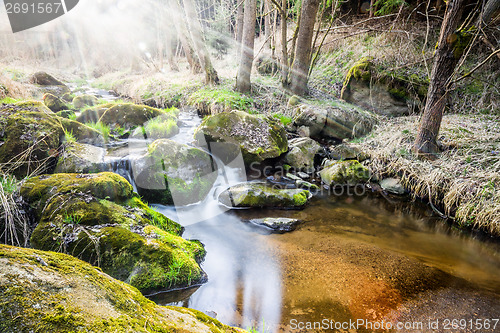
point(246, 55)
point(239, 22)
point(267, 23)
point(447, 55)
point(182, 33)
point(372, 9)
point(491, 7)
point(284, 42)
point(300, 69)
point(211, 76)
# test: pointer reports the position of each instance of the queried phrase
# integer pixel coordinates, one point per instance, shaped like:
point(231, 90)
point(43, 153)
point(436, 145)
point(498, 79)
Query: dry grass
point(14, 226)
point(464, 182)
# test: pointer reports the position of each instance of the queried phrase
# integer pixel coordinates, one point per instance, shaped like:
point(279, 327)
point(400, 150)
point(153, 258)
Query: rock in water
point(54, 292)
point(257, 138)
point(336, 121)
point(344, 173)
point(392, 185)
point(174, 173)
point(279, 224)
point(81, 158)
point(260, 195)
point(302, 153)
point(98, 218)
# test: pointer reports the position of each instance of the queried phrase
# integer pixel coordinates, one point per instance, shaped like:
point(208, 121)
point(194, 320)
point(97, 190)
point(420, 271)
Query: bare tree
point(451, 46)
point(211, 76)
point(302, 59)
point(246, 55)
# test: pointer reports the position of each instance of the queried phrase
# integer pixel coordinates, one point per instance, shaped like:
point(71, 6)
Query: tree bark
point(183, 32)
point(284, 42)
point(491, 7)
point(243, 83)
point(239, 22)
point(300, 69)
point(446, 58)
point(211, 76)
point(267, 23)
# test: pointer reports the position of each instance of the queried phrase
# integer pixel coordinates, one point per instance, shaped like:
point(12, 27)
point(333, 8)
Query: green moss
point(213, 100)
point(460, 40)
point(90, 301)
point(349, 172)
point(300, 199)
point(84, 100)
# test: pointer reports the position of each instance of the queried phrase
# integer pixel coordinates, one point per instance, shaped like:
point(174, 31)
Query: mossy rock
point(98, 218)
point(126, 115)
point(81, 158)
point(84, 100)
point(384, 92)
point(211, 101)
point(302, 154)
point(54, 103)
point(174, 173)
point(267, 66)
point(261, 195)
point(82, 132)
point(334, 121)
point(29, 139)
point(347, 151)
point(345, 173)
point(65, 113)
point(39, 106)
point(68, 97)
point(53, 292)
point(256, 137)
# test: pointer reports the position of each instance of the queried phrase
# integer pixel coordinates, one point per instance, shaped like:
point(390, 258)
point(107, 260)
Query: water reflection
point(244, 286)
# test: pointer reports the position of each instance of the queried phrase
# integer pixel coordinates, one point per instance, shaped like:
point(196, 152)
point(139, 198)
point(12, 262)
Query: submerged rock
point(174, 173)
point(392, 185)
point(98, 218)
point(81, 158)
point(54, 103)
point(53, 292)
point(279, 224)
point(85, 100)
point(302, 153)
point(344, 173)
point(336, 121)
point(257, 138)
point(383, 92)
point(261, 195)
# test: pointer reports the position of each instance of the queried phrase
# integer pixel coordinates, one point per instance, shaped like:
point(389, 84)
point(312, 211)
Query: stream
point(372, 256)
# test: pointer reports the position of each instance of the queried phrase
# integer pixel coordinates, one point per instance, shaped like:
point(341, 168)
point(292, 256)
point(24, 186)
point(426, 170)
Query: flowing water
point(352, 257)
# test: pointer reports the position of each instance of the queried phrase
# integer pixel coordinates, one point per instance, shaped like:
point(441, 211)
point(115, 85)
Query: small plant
point(8, 183)
point(285, 120)
point(72, 116)
point(69, 137)
point(102, 128)
point(159, 127)
point(72, 219)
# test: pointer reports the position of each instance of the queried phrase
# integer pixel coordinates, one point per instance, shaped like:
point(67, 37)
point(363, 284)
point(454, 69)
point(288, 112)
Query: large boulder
point(302, 153)
point(98, 218)
point(45, 79)
point(82, 132)
point(256, 137)
point(81, 158)
point(29, 139)
point(349, 172)
point(335, 121)
point(383, 92)
point(54, 292)
point(261, 195)
point(347, 151)
point(126, 115)
point(173, 173)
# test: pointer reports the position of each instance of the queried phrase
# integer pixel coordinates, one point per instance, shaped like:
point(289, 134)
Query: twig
point(477, 67)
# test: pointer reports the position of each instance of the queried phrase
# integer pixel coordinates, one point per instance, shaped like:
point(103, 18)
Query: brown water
point(369, 257)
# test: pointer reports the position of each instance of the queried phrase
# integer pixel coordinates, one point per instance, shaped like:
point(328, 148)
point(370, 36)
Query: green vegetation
point(285, 120)
point(210, 101)
point(158, 128)
point(101, 128)
point(8, 183)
